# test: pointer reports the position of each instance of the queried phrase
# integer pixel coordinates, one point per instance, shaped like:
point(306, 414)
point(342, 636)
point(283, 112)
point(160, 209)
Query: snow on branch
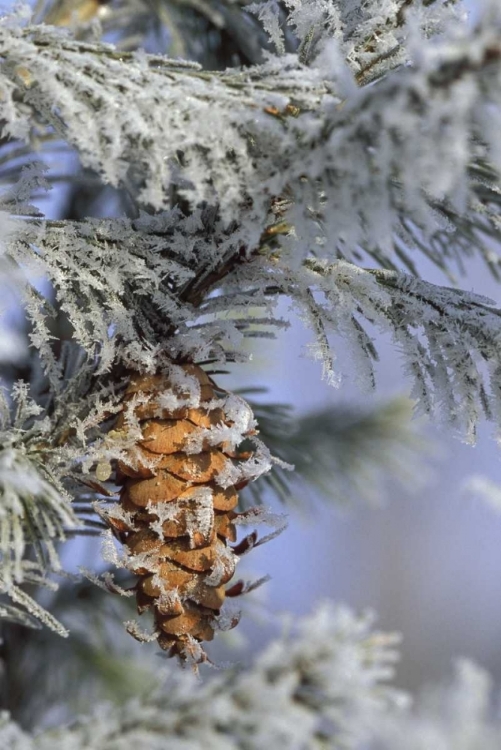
point(35, 510)
point(325, 685)
point(449, 338)
point(449, 716)
point(352, 161)
point(131, 289)
point(398, 148)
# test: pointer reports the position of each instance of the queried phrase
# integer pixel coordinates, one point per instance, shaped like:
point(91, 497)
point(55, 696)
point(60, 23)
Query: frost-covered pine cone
point(179, 490)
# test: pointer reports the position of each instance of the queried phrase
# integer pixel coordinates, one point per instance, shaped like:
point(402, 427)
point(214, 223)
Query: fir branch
point(34, 507)
point(35, 510)
point(449, 338)
point(354, 162)
point(48, 447)
point(325, 685)
point(97, 662)
point(127, 287)
point(176, 263)
point(28, 612)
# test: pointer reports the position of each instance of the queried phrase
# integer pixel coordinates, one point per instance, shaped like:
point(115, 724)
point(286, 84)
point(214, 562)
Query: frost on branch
point(343, 679)
point(185, 291)
point(374, 167)
point(35, 510)
point(375, 34)
point(325, 685)
point(371, 35)
point(130, 289)
point(449, 338)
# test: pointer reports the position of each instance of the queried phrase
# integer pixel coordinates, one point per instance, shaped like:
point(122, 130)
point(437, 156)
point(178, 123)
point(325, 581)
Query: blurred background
point(426, 557)
point(394, 527)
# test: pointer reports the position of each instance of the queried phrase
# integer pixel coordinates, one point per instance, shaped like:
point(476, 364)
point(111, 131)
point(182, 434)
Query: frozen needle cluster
point(323, 685)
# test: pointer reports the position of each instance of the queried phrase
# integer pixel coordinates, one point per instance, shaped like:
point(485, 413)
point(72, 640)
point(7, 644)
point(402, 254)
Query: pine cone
point(179, 490)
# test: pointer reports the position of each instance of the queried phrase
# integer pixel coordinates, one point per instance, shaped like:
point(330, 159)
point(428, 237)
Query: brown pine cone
point(179, 490)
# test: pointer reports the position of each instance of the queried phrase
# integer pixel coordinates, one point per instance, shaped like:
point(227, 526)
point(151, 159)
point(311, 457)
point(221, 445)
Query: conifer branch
point(449, 338)
point(345, 151)
point(323, 686)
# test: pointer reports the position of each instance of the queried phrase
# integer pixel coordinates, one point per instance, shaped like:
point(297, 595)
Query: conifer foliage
point(213, 160)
